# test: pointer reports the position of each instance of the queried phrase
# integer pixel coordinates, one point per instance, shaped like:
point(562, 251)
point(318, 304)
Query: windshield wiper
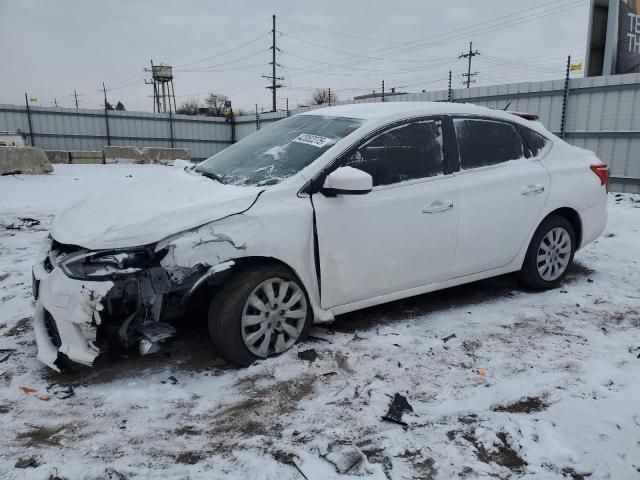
point(211, 175)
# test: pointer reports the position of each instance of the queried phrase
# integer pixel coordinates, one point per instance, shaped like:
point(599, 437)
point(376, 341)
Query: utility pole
point(469, 56)
point(274, 80)
point(32, 137)
point(75, 94)
point(106, 114)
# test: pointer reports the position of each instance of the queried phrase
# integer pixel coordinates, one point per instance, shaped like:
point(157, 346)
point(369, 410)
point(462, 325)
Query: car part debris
point(152, 335)
point(30, 462)
point(61, 392)
point(26, 222)
point(398, 407)
point(450, 337)
point(172, 380)
point(309, 355)
point(347, 458)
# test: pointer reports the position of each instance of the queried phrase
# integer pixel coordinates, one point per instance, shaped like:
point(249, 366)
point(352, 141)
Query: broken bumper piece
point(66, 317)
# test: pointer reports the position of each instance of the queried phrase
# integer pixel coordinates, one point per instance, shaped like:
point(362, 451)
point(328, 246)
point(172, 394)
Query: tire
point(235, 322)
point(555, 242)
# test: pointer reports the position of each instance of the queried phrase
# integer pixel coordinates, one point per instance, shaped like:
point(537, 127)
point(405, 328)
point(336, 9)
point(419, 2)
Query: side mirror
point(347, 181)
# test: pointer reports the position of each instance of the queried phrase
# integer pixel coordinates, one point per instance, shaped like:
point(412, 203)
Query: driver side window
point(405, 152)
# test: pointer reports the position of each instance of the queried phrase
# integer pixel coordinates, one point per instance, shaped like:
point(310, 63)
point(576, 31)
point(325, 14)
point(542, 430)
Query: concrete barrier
point(86, 156)
point(29, 160)
point(164, 155)
point(58, 156)
point(122, 155)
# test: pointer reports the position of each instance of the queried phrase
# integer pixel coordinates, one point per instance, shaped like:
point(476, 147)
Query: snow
point(573, 350)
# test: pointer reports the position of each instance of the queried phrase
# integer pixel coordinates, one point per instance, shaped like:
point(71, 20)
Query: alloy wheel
point(273, 317)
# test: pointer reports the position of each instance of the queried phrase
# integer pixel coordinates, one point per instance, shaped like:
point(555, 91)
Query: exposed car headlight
point(106, 264)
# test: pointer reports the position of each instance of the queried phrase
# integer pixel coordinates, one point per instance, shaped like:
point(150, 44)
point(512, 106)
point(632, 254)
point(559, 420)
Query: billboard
point(628, 58)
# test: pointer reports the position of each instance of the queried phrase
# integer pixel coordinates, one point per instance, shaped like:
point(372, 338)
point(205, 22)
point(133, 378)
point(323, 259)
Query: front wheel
point(549, 254)
point(258, 313)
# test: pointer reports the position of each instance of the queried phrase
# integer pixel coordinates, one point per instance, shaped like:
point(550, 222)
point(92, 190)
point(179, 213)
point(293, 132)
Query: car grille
point(52, 329)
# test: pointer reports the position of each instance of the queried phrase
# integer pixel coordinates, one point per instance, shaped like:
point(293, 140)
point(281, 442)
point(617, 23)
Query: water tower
point(163, 91)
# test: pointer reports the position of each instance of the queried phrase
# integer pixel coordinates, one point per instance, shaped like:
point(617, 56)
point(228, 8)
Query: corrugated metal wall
point(70, 129)
point(601, 116)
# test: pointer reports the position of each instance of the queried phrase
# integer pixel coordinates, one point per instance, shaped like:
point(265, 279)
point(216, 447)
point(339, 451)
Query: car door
point(400, 235)
point(502, 194)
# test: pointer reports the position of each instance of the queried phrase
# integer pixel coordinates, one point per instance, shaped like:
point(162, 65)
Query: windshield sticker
point(315, 140)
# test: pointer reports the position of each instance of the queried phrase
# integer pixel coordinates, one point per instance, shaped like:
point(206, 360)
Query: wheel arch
point(214, 280)
point(573, 217)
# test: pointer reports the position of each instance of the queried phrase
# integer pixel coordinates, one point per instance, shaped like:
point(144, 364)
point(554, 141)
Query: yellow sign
point(576, 67)
point(33, 100)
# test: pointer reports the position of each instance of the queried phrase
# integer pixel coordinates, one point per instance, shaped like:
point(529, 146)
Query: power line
point(350, 35)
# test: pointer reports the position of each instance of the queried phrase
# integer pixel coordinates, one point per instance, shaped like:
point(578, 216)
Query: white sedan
point(319, 214)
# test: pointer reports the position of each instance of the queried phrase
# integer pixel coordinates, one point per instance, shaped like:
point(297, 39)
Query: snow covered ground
point(533, 385)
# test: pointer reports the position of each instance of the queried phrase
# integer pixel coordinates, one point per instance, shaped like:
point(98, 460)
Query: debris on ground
point(309, 355)
point(23, 222)
point(113, 474)
point(320, 335)
point(29, 462)
point(62, 392)
point(450, 337)
point(172, 380)
point(5, 353)
point(482, 372)
point(398, 407)
point(347, 458)
point(524, 405)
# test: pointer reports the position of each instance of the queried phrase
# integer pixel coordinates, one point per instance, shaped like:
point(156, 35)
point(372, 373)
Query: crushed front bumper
point(66, 316)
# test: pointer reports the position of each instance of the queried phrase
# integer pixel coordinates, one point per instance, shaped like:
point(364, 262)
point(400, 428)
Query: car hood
point(145, 212)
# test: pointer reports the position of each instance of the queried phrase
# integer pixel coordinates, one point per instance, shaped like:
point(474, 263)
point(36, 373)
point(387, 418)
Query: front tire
point(258, 313)
point(550, 254)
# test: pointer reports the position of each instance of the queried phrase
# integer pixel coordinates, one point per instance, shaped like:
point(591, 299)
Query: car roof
point(381, 111)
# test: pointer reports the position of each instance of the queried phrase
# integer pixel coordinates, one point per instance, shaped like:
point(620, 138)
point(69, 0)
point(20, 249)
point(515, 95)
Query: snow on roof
point(393, 110)
point(380, 110)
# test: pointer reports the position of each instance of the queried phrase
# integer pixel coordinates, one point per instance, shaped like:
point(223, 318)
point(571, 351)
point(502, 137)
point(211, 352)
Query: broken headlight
point(103, 265)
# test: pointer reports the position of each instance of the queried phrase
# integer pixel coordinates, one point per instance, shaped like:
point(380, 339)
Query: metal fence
point(71, 129)
point(599, 114)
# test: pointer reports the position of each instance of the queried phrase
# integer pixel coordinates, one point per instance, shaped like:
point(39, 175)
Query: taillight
point(602, 172)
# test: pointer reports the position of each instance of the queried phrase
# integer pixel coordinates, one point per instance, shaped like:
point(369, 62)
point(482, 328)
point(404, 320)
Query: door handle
point(438, 206)
point(532, 189)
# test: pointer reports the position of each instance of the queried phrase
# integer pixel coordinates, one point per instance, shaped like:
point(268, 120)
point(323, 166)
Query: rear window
point(536, 144)
point(486, 142)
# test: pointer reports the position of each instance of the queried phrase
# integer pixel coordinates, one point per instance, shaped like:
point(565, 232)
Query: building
point(613, 41)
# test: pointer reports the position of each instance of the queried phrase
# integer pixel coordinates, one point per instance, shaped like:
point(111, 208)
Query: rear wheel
point(258, 313)
point(549, 254)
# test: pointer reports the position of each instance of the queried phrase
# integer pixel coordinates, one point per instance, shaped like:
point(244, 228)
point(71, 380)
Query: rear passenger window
point(486, 142)
point(536, 144)
point(402, 153)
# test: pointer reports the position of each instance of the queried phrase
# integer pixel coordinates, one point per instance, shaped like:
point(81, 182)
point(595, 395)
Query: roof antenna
point(511, 101)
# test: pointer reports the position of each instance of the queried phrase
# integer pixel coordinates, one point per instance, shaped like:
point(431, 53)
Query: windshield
point(277, 151)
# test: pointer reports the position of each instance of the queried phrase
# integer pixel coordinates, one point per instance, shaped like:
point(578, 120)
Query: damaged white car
point(316, 215)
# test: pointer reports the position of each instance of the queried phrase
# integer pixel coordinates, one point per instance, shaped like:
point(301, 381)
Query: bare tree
point(189, 107)
point(120, 106)
point(322, 95)
point(216, 104)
